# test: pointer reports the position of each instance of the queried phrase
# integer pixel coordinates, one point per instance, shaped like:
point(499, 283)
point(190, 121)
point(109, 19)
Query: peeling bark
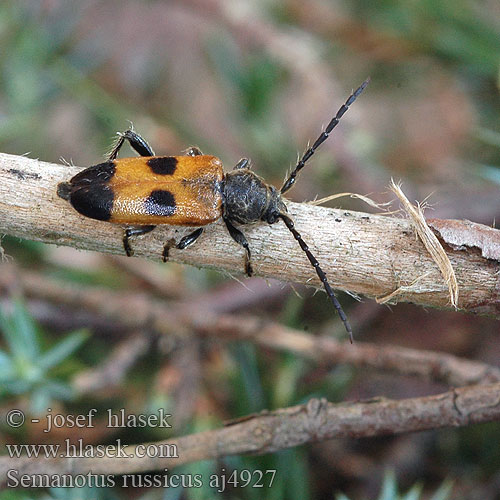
point(464, 234)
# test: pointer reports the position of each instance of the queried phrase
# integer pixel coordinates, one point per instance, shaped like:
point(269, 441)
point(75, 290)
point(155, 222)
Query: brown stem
point(269, 432)
point(365, 254)
point(144, 312)
point(113, 370)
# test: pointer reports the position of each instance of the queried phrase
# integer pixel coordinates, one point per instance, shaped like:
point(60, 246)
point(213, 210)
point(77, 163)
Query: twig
point(112, 371)
point(365, 254)
point(430, 365)
point(144, 312)
point(269, 432)
point(149, 278)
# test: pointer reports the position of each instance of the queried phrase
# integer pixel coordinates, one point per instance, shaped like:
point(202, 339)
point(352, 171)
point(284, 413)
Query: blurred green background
point(257, 79)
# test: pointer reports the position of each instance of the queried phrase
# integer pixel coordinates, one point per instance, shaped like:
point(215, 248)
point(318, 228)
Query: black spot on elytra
point(94, 201)
point(97, 174)
point(90, 193)
point(163, 165)
point(160, 202)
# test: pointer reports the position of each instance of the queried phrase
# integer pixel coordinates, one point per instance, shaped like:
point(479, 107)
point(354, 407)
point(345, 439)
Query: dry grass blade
point(430, 242)
point(368, 201)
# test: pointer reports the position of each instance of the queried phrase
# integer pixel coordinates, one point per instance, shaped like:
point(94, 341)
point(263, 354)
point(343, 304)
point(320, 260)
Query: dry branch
point(176, 320)
point(268, 432)
point(113, 370)
point(364, 254)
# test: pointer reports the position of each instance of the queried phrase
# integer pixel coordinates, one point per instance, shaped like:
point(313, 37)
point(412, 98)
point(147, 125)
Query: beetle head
point(275, 206)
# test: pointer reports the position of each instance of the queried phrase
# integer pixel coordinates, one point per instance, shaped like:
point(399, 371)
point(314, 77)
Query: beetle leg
point(134, 231)
point(243, 163)
point(193, 151)
point(189, 239)
point(135, 141)
point(239, 237)
point(184, 243)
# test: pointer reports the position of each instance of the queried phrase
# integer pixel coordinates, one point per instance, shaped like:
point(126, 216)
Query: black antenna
point(323, 137)
point(321, 274)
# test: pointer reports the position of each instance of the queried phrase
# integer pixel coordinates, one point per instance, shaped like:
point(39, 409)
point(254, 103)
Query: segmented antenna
point(321, 274)
point(323, 137)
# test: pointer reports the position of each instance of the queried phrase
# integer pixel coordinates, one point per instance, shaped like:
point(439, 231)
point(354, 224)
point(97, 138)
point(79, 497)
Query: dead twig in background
point(179, 320)
point(269, 432)
point(365, 254)
point(113, 370)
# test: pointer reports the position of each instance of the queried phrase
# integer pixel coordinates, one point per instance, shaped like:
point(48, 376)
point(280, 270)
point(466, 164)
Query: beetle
point(190, 190)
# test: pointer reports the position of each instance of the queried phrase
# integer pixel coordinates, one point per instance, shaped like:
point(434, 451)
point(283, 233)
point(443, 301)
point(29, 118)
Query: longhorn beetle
point(190, 190)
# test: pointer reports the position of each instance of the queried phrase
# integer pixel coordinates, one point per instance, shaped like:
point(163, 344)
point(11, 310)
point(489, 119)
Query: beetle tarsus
point(248, 266)
point(239, 237)
point(166, 250)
